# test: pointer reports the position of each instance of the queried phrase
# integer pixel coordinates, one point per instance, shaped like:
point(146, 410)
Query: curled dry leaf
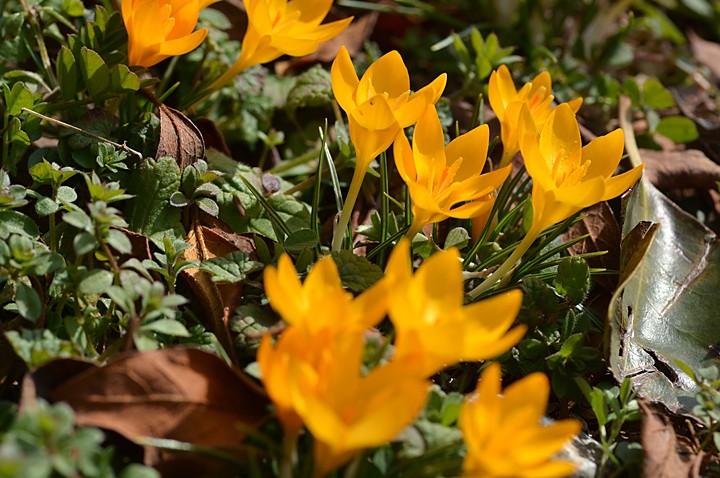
point(181, 394)
point(179, 138)
point(665, 457)
point(680, 169)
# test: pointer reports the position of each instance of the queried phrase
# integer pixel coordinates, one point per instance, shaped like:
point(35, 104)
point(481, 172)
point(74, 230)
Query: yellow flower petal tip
point(446, 181)
point(159, 29)
point(506, 102)
point(504, 435)
point(568, 177)
point(433, 329)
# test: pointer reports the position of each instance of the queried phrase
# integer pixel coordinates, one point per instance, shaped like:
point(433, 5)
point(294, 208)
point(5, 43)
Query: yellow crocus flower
point(379, 105)
point(446, 181)
point(567, 177)
point(321, 301)
point(506, 101)
point(282, 27)
point(432, 327)
point(503, 434)
point(159, 29)
point(313, 373)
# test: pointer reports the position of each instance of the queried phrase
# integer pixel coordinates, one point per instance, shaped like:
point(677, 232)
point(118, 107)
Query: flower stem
point(507, 266)
point(345, 214)
point(289, 458)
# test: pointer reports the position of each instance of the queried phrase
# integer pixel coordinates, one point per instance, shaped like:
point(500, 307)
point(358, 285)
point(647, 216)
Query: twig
point(123, 146)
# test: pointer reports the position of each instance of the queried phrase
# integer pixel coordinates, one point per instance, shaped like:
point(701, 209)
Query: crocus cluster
point(314, 373)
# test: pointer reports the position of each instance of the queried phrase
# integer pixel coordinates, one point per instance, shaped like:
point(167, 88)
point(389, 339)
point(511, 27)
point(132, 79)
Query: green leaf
point(678, 128)
point(154, 184)
point(665, 309)
point(28, 302)
point(231, 268)
point(312, 88)
point(45, 263)
point(356, 273)
point(84, 243)
point(123, 79)
point(17, 98)
point(119, 241)
point(46, 206)
point(13, 222)
point(656, 95)
point(66, 194)
point(95, 72)
point(458, 237)
point(168, 327)
point(96, 281)
point(67, 73)
point(301, 239)
point(573, 279)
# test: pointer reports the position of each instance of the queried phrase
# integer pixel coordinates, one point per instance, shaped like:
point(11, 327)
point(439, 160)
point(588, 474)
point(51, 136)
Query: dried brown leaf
point(664, 456)
point(218, 300)
point(604, 235)
point(181, 394)
point(179, 138)
point(680, 169)
point(706, 53)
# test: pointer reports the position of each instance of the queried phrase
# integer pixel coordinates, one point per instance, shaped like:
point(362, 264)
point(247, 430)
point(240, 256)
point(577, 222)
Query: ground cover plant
point(361, 239)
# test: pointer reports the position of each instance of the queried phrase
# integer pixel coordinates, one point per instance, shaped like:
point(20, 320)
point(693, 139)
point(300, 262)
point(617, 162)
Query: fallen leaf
point(179, 138)
point(212, 136)
point(180, 394)
point(218, 299)
point(140, 245)
point(604, 235)
point(706, 53)
point(680, 169)
point(664, 456)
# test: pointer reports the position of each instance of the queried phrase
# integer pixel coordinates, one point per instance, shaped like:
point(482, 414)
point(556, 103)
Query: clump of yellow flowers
point(314, 372)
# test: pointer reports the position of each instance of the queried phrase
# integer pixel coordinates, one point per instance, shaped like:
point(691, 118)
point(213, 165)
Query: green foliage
point(42, 442)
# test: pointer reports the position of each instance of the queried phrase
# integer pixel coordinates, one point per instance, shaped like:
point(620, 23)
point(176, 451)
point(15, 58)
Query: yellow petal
point(617, 185)
point(399, 269)
point(440, 281)
point(370, 143)
point(541, 82)
point(575, 104)
point(184, 44)
point(404, 160)
point(560, 142)
point(529, 393)
point(283, 289)
point(311, 11)
point(408, 113)
point(372, 305)
point(344, 80)
point(428, 146)
point(471, 147)
point(604, 154)
point(537, 166)
point(374, 114)
point(386, 75)
point(545, 441)
point(501, 90)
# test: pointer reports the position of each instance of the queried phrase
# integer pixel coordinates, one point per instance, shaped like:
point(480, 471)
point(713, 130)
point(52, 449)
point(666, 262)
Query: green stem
point(289, 454)
point(6, 139)
point(384, 204)
point(346, 213)
point(506, 266)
